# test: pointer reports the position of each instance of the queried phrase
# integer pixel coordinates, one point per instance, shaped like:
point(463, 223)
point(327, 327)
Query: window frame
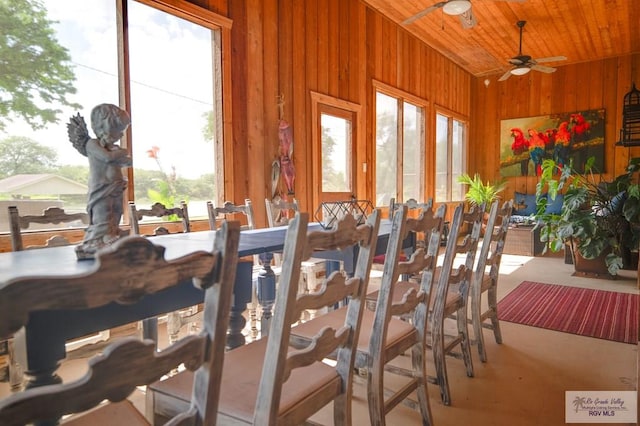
point(321, 103)
point(403, 97)
point(220, 27)
point(451, 117)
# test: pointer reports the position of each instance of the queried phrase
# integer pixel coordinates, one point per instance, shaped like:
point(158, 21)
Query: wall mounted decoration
point(526, 142)
point(630, 131)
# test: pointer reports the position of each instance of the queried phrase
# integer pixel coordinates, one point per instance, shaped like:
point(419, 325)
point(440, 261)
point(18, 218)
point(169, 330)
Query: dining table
point(43, 338)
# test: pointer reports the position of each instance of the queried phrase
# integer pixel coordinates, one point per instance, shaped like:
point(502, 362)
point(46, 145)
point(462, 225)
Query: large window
point(400, 152)
point(450, 157)
point(65, 57)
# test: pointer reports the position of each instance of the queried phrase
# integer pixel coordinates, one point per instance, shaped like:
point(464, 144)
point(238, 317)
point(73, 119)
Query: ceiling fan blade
point(467, 19)
point(419, 15)
point(516, 61)
point(505, 76)
point(551, 59)
point(542, 68)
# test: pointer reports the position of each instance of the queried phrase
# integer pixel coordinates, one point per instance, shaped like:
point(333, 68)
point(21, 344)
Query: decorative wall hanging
point(630, 132)
point(285, 138)
point(526, 142)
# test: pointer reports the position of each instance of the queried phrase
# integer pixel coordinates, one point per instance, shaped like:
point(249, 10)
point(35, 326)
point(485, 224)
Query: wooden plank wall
point(592, 85)
point(335, 47)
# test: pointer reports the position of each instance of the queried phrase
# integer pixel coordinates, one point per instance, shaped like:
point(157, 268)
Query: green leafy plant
point(598, 216)
point(166, 194)
point(479, 192)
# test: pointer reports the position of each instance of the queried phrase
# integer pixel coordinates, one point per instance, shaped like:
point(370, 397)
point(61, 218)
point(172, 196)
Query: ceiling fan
point(461, 8)
point(522, 64)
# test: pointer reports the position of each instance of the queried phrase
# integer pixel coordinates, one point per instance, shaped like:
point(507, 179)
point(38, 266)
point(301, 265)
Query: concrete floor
point(525, 378)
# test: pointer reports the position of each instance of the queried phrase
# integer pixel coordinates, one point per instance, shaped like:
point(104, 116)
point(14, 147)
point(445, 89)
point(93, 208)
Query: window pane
point(411, 156)
point(458, 161)
point(171, 109)
point(442, 162)
point(72, 57)
point(386, 148)
point(336, 134)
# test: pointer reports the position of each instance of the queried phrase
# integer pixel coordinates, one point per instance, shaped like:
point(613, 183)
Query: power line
point(178, 95)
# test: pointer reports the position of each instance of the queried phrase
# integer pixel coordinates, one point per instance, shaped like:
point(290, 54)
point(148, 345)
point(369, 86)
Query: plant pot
point(590, 268)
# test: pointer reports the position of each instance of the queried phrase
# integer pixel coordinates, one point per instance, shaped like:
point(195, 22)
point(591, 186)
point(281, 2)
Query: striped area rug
point(595, 313)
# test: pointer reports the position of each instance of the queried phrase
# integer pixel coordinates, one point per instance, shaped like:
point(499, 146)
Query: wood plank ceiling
point(580, 30)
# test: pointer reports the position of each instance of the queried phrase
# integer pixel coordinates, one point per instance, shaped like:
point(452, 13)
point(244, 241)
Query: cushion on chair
point(116, 413)
point(524, 204)
point(243, 368)
point(380, 258)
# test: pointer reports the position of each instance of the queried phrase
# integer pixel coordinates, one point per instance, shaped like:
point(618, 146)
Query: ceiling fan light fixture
point(520, 70)
point(456, 7)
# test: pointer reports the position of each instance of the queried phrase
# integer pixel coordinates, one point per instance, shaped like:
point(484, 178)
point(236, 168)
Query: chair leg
point(174, 324)
point(465, 344)
point(418, 362)
point(492, 300)
point(253, 312)
point(476, 320)
point(437, 347)
point(375, 394)
point(16, 373)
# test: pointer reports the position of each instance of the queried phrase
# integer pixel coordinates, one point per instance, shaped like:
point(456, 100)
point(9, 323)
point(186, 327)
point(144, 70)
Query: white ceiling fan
point(522, 64)
point(461, 8)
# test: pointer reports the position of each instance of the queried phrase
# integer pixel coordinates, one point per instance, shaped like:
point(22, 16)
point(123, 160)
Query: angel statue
point(106, 181)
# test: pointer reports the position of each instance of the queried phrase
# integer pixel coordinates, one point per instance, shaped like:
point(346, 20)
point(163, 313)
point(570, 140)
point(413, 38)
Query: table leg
point(242, 290)
point(266, 291)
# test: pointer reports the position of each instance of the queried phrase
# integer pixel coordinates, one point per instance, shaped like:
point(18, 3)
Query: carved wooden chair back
point(287, 386)
point(228, 208)
point(485, 277)
point(415, 209)
point(412, 204)
point(279, 211)
point(128, 362)
point(50, 216)
point(158, 210)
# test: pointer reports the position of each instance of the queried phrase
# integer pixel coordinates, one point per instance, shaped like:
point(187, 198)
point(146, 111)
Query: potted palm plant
point(479, 192)
point(599, 218)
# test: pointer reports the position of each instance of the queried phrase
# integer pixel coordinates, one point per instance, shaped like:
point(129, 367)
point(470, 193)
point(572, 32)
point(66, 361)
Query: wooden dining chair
point(450, 295)
point(279, 212)
point(175, 320)
point(159, 210)
point(266, 382)
point(51, 216)
point(384, 335)
point(415, 208)
point(124, 273)
point(485, 277)
point(245, 213)
point(230, 211)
